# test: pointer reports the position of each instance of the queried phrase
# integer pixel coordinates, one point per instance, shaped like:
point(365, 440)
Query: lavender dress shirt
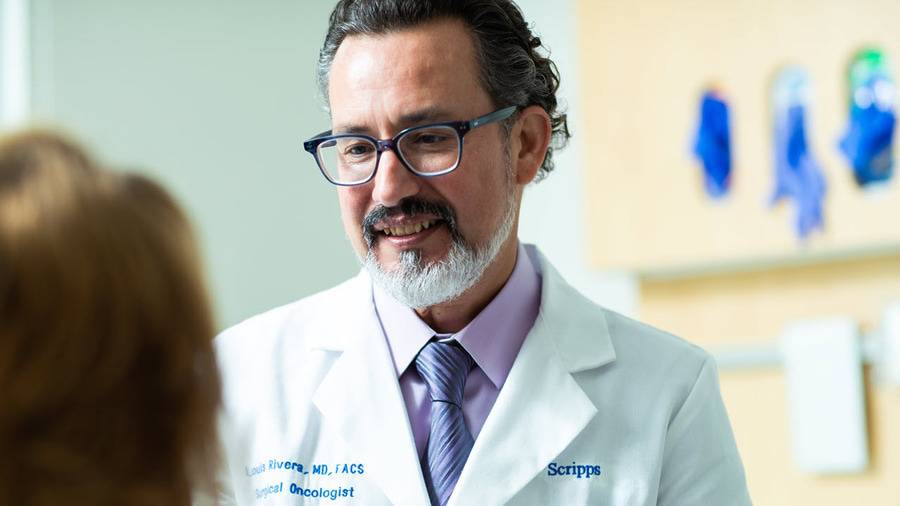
point(493, 340)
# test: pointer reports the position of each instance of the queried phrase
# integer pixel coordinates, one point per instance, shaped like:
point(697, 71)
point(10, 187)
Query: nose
point(393, 182)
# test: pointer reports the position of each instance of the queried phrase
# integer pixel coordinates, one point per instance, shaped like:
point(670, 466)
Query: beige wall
point(750, 307)
point(644, 67)
point(732, 272)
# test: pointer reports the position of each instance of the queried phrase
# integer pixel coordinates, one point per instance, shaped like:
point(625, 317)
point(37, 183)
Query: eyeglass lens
point(426, 150)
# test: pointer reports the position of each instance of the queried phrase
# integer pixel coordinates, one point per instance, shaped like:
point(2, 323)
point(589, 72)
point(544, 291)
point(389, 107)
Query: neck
point(453, 316)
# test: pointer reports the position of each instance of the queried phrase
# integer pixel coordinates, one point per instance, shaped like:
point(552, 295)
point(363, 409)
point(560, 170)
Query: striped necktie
point(444, 367)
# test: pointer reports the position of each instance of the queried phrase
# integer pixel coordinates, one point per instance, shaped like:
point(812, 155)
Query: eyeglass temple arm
point(310, 145)
point(492, 117)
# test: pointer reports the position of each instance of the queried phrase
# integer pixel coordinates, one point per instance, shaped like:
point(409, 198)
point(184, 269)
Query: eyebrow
point(422, 116)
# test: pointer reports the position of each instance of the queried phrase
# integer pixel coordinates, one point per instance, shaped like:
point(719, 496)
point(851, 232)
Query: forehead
point(385, 77)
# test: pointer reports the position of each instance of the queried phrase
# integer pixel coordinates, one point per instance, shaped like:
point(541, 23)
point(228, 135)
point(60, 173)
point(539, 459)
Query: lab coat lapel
point(541, 408)
point(360, 397)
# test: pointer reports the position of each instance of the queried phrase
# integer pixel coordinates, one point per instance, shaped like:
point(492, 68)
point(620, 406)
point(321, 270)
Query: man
point(458, 367)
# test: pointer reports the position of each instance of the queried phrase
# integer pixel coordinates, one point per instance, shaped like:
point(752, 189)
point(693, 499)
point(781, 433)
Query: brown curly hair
point(108, 384)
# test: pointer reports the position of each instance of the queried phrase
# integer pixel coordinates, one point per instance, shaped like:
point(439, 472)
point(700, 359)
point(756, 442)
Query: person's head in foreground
point(433, 211)
point(108, 385)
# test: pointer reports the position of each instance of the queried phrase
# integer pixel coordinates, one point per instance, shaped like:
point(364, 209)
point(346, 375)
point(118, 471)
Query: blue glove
point(798, 175)
point(713, 144)
point(868, 143)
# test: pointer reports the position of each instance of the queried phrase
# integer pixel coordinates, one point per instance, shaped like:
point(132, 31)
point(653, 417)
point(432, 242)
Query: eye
point(358, 148)
point(430, 138)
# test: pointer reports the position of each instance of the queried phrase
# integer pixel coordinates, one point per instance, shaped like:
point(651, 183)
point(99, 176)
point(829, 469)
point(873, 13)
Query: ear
point(530, 138)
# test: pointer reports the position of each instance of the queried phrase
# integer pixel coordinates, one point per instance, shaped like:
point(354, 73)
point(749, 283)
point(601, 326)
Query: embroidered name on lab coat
point(574, 470)
point(309, 479)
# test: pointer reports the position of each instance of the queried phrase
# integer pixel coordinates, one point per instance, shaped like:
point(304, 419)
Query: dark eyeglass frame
point(381, 145)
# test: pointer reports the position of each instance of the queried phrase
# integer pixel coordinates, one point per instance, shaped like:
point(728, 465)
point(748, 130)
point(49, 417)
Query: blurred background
point(795, 296)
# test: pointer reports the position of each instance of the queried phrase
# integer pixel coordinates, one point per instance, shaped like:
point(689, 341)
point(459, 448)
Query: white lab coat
point(312, 384)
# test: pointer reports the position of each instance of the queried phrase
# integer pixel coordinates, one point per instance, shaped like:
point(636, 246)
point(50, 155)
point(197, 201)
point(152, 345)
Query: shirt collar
point(406, 334)
point(493, 338)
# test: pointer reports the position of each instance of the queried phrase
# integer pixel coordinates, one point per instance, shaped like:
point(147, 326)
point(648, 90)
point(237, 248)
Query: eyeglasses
point(427, 150)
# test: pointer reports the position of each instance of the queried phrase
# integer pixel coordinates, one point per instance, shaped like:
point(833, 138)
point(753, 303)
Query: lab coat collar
point(579, 328)
point(541, 408)
point(360, 397)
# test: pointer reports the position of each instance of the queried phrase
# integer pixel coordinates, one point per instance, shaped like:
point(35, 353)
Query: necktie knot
point(444, 367)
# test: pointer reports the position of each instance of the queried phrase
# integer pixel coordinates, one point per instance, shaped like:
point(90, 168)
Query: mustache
point(410, 207)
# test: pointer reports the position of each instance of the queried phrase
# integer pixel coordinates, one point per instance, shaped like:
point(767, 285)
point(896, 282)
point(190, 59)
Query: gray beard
point(416, 284)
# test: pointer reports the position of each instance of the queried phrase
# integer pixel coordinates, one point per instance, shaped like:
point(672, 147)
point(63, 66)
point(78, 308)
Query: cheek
point(480, 205)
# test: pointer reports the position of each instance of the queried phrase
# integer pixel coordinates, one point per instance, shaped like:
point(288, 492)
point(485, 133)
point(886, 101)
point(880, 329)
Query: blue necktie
point(444, 367)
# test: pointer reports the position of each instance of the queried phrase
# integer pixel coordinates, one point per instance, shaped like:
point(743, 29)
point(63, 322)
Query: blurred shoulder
point(644, 345)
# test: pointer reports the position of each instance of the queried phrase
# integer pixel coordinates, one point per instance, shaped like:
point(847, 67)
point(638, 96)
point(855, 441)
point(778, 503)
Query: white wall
point(213, 98)
point(14, 62)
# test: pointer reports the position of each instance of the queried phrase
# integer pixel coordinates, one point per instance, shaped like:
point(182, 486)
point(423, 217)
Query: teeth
point(409, 229)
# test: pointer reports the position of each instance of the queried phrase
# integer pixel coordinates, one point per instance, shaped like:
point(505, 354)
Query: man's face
point(381, 84)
